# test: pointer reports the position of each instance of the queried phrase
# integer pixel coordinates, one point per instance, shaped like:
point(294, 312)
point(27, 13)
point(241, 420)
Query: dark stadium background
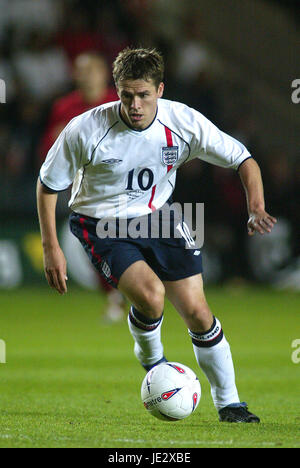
point(232, 60)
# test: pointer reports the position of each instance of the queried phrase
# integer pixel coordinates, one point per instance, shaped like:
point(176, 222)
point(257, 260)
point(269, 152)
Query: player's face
point(139, 102)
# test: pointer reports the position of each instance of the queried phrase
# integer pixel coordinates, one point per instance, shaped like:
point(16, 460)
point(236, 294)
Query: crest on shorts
point(169, 155)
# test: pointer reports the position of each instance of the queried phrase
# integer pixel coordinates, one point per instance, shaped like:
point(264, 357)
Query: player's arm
point(216, 147)
point(55, 264)
point(259, 220)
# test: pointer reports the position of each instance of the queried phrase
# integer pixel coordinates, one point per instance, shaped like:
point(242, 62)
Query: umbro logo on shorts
point(105, 269)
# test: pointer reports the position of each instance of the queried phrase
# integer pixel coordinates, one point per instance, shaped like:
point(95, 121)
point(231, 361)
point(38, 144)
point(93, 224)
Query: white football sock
point(213, 355)
point(146, 333)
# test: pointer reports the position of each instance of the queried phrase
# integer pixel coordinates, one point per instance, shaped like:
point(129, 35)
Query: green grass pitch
point(72, 381)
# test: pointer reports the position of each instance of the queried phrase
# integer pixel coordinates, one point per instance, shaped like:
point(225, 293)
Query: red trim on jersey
point(169, 136)
point(89, 242)
point(169, 143)
point(169, 167)
point(151, 199)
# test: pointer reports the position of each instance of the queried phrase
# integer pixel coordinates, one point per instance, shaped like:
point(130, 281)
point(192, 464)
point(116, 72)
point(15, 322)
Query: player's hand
point(260, 222)
point(55, 267)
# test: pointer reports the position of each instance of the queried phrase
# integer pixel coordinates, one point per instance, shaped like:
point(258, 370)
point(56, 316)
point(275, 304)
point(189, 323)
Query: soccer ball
point(171, 391)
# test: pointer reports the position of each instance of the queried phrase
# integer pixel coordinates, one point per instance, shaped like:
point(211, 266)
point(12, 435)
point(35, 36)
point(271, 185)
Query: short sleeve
point(212, 145)
point(63, 160)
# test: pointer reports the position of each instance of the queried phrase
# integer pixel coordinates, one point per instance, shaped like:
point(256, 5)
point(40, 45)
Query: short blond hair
point(139, 64)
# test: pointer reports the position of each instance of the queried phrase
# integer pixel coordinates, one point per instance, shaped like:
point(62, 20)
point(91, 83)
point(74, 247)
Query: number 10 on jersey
point(145, 179)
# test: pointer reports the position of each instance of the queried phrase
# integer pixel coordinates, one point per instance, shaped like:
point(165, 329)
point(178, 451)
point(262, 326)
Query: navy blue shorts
point(168, 258)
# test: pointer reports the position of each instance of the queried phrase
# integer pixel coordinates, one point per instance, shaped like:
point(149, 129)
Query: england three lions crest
point(169, 155)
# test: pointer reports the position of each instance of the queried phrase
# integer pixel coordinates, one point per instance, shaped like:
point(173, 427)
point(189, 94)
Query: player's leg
point(146, 292)
point(124, 267)
point(211, 348)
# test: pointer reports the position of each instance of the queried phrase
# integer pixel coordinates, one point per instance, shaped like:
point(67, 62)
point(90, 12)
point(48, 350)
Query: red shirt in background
point(65, 109)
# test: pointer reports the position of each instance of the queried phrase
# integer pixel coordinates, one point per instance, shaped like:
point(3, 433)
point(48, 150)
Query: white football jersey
point(120, 172)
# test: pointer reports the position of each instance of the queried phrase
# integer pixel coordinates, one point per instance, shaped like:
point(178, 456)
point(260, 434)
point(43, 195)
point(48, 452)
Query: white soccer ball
point(171, 391)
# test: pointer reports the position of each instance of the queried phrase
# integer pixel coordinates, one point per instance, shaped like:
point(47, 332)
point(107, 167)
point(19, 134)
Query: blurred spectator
point(279, 187)
point(25, 16)
point(4, 19)
point(193, 183)
point(4, 142)
point(164, 18)
point(24, 139)
point(91, 27)
point(196, 69)
point(91, 78)
point(242, 126)
point(200, 94)
point(113, 38)
point(276, 258)
point(193, 54)
point(282, 190)
point(42, 69)
point(230, 217)
point(77, 36)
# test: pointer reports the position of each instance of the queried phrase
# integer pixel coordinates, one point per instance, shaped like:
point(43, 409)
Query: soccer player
point(122, 159)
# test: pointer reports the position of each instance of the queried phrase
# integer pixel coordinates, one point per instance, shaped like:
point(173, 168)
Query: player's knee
point(151, 302)
point(199, 317)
